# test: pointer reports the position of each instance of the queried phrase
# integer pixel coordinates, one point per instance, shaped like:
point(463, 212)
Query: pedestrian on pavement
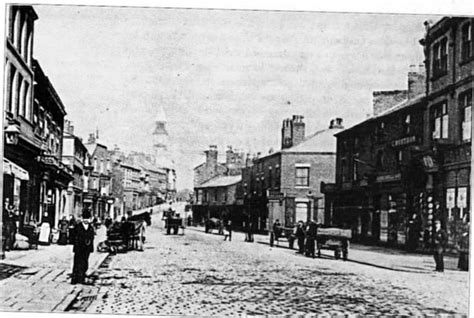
point(125, 230)
point(228, 231)
point(277, 229)
point(249, 232)
point(311, 231)
point(440, 240)
point(414, 228)
point(300, 236)
point(72, 229)
point(63, 229)
point(83, 246)
point(11, 227)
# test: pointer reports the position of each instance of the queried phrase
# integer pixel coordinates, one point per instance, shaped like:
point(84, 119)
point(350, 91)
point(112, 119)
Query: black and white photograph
point(206, 159)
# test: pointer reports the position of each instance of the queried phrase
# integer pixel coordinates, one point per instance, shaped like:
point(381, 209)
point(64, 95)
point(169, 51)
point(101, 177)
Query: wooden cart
point(334, 239)
point(282, 234)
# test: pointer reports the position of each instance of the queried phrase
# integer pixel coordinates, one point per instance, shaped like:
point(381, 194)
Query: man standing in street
point(311, 232)
point(440, 240)
point(83, 246)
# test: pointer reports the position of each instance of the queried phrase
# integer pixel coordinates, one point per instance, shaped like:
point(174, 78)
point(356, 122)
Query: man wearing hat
point(83, 246)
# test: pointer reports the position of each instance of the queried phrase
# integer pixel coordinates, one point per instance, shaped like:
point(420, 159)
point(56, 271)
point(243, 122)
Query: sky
point(223, 77)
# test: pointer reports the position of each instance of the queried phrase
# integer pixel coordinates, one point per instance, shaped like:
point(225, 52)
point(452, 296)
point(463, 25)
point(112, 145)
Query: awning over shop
point(15, 170)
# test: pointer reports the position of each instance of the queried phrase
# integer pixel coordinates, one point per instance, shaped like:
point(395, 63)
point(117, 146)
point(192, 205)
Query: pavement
point(200, 274)
point(39, 279)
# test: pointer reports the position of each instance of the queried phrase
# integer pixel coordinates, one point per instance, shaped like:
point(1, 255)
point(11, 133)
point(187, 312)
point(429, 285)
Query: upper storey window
point(440, 58)
point(440, 121)
point(466, 39)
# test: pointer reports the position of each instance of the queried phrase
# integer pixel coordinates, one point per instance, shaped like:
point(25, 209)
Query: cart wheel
point(272, 239)
point(337, 254)
point(345, 255)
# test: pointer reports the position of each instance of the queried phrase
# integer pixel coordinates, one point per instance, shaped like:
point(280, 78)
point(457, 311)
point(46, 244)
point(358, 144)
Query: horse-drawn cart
point(127, 235)
point(334, 239)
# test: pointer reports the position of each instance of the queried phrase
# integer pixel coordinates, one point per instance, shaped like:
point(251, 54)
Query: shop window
point(466, 39)
point(465, 103)
point(440, 121)
point(302, 176)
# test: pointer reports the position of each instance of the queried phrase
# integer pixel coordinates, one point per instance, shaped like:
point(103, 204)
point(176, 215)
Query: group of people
point(305, 235)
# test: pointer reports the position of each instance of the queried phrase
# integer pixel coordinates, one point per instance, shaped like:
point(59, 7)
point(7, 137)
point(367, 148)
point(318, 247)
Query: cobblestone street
point(200, 274)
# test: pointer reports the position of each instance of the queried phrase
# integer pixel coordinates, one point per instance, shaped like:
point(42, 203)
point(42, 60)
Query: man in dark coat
point(83, 246)
point(440, 240)
point(300, 235)
point(311, 232)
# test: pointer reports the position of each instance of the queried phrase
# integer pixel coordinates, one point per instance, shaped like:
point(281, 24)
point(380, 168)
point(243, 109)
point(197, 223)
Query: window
point(302, 176)
point(96, 166)
point(344, 170)
point(277, 177)
point(301, 212)
point(379, 162)
point(465, 103)
point(270, 178)
point(216, 197)
point(440, 58)
point(354, 168)
point(440, 121)
point(466, 46)
point(399, 158)
point(406, 124)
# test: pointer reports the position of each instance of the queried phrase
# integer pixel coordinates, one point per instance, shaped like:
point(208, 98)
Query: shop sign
point(450, 196)
point(388, 178)
point(404, 141)
point(462, 196)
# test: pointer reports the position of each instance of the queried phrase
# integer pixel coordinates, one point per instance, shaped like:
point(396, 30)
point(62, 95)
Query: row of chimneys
point(293, 133)
point(69, 128)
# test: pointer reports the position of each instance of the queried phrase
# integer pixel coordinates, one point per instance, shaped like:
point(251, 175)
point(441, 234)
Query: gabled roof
point(220, 181)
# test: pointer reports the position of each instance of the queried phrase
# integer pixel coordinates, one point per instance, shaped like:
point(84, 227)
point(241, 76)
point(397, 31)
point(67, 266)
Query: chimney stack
point(68, 127)
point(211, 157)
point(292, 131)
point(91, 139)
point(416, 81)
point(336, 123)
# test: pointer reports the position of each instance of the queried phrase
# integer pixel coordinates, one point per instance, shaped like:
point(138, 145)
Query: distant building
point(286, 183)
point(75, 157)
point(217, 185)
point(98, 198)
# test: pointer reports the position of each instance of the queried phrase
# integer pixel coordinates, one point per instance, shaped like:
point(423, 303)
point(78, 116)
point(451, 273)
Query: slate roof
point(220, 181)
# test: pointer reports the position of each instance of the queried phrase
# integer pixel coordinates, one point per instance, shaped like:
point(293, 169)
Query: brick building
point(23, 140)
point(379, 169)
point(287, 182)
point(449, 63)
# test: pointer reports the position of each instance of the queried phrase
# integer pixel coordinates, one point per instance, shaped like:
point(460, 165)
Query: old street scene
point(172, 161)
